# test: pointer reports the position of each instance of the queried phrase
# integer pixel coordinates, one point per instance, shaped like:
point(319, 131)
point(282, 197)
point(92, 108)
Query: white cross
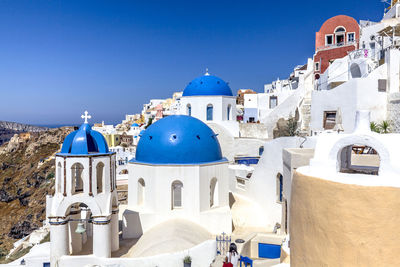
point(86, 116)
point(207, 74)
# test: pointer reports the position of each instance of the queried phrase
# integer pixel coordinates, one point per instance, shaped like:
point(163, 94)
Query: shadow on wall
point(131, 224)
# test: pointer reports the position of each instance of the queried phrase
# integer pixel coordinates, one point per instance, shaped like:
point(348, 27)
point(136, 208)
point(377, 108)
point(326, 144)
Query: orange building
point(337, 36)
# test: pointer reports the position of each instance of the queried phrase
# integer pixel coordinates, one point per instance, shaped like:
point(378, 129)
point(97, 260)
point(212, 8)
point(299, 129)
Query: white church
point(210, 99)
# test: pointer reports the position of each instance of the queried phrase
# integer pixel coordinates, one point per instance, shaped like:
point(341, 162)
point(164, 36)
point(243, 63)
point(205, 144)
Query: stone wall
point(253, 130)
point(393, 112)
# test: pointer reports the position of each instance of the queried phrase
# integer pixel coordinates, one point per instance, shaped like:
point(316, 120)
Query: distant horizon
point(60, 58)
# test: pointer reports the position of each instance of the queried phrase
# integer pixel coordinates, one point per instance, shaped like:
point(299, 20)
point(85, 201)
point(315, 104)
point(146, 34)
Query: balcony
point(338, 45)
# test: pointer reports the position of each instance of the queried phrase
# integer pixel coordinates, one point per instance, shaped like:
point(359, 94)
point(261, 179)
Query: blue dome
point(84, 141)
point(178, 139)
point(207, 85)
point(135, 125)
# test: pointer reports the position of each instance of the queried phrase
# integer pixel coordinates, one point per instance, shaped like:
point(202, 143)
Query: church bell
point(80, 229)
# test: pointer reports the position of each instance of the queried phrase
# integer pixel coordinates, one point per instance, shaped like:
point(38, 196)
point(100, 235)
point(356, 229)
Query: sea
point(57, 125)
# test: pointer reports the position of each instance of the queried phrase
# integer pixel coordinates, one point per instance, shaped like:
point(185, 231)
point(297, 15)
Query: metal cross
point(86, 116)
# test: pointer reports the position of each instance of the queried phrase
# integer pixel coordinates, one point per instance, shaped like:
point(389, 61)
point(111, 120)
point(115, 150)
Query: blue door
point(269, 251)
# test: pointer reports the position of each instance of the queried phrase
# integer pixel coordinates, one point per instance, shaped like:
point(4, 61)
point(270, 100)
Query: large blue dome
point(84, 141)
point(178, 139)
point(207, 85)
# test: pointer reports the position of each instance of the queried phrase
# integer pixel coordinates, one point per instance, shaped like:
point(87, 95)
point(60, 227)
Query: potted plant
point(187, 261)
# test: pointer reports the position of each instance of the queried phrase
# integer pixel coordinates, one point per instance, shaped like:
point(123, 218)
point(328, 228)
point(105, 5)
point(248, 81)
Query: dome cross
point(207, 74)
point(86, 116)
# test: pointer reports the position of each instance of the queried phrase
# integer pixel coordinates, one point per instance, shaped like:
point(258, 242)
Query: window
point(350, 37)
point(260, 150)
point(273, 102)
point(339, 34)
point(340, 29)
point(382, 85)
point(329, 39)
point(59, 170)
point(210, 112)
point(99, 177)
point(140, 191)
point(339, 39)
point(77, 181)
point(279, 188)
point(214, 201)
point(189, 110)
point(251, 119)
point(176, 190)
point(329, 120)
point(228, 112)
point(316, 66)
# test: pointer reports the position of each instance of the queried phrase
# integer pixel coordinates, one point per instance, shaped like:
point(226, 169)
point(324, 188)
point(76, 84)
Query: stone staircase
point(305, 112)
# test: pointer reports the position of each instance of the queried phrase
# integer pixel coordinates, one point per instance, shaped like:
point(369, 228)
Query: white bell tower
point(83, 213)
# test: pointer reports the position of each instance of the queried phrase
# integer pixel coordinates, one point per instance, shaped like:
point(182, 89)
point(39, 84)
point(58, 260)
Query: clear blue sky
point(58, 58)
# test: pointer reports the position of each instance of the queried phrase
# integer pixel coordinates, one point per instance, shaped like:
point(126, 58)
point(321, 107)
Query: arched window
point(355, 70)
point(140, 191)
point(279, 187)
point(214, 199)
point(99, 177)
point(358, 158)
point(210, 111)
point(340, 29)
point(58, 182)
point(77, 180)
point(189, 110)
point(176, 191)
point(228, 112)
point(340, 35)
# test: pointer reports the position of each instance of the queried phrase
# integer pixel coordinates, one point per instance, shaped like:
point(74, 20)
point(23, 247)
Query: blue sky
point(58, 58)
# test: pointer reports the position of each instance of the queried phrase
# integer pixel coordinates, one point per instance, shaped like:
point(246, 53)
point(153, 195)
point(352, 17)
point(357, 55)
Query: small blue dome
point(178, 139)
point(207, 85)
point(84, 141)
point(135, 125)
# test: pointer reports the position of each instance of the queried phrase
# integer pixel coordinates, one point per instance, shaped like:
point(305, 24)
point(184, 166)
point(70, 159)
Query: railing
point(223, 242)
point(326, 47)
point(360, 53)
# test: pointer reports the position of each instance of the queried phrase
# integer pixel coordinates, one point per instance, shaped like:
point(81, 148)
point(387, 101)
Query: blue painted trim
point(89, 154)
point(178, 164)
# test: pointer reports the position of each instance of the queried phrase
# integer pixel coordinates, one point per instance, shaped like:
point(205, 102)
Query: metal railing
point(223, 242)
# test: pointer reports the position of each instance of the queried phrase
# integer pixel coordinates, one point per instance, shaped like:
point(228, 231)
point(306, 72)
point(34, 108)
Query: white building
point(178, 173)
point(104, 129)
point(210, 99)
point(135, 132)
